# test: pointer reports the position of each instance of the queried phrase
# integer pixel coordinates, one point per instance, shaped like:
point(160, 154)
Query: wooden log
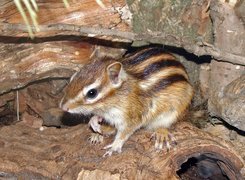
point(66, 154)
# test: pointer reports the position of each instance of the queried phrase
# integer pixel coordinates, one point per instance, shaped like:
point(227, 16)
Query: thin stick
point(17, 106)
point(32, 13)
point(34, 4)
point(67, 5)
point(101, 4)
point(23, 14)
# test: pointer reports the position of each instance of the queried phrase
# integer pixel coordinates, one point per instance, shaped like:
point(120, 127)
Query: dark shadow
point(203, 168)
point(69, 119)
point(230, 127)
point(176, 50)
point(189, 56)
point(7, 116)
point(90, 40)
point(106, 43)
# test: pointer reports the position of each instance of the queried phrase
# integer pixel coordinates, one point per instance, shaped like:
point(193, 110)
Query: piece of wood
point(125, 36)
point(25, 63)
point(64, 153)
point(80, 12)
point(227, 100)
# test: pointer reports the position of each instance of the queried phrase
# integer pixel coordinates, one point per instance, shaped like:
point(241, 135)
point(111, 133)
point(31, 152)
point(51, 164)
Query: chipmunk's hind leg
point(163, 138)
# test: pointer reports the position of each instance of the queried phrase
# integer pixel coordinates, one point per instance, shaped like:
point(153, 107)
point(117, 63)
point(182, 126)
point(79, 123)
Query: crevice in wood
point(122, 36)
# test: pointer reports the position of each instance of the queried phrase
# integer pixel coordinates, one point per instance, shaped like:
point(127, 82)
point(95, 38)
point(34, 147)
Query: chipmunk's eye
point(92, 93)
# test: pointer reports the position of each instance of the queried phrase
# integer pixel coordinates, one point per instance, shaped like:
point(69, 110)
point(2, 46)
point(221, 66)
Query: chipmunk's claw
point(95, 138)
point(108, 153)
point(163, 138)
point(114, 147)
point(94, 123)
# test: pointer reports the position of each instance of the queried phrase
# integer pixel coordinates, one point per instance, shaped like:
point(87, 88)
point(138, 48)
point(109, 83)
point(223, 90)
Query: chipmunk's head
point(91, 88)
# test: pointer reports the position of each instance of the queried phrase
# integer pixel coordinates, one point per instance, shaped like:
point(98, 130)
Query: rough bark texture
point(25, 63)
point(65, 153)
point(81, 12)
point(229, 29)
point(188, 19)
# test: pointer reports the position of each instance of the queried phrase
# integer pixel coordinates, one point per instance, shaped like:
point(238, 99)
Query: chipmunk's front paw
point(114, 147)
point(94, 123)
point(163, 138)
point(95, 138)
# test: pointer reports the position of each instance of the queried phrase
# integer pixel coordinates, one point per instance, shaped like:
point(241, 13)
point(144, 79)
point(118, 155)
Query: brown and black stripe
point(155, 69)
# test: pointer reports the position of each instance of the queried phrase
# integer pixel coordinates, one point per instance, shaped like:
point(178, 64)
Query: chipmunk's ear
point(116, 73)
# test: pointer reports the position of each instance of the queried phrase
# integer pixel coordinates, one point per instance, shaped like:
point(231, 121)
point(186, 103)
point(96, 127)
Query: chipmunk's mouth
point(72, 107)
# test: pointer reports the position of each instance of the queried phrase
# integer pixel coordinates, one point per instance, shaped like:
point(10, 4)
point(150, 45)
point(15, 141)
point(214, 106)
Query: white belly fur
point(115, 117)
point(164, 120)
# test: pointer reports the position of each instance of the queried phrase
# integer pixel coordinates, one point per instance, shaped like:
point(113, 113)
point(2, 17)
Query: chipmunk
point(148, 89)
